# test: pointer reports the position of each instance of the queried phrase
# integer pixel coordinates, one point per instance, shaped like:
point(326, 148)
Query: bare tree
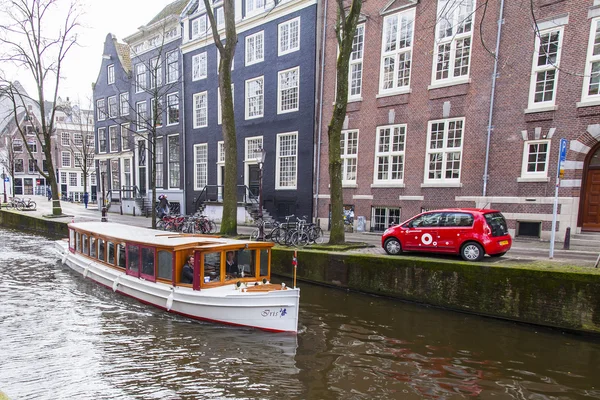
point(81, 143)
point(7, 159)
point(227, 51)
point(345, 29)
point(28, 41)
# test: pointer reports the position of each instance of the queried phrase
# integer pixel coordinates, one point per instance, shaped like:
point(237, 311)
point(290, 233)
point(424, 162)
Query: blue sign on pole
point(563, 150)
point(7, 179)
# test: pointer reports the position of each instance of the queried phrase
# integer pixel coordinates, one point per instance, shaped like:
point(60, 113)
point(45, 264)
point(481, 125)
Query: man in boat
point(231, 267)
point(187, 273)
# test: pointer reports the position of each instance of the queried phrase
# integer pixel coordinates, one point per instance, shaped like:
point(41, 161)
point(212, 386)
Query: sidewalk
point(522, 249)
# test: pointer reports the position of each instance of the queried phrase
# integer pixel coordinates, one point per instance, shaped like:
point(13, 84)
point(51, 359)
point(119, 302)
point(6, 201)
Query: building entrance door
point(591, 201)
point(254, 180)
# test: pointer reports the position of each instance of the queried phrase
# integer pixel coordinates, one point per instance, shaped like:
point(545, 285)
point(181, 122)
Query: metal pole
point(103, 219)
point(4, 182)
point(261, 232)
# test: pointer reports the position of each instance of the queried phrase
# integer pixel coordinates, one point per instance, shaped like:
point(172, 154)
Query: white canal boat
point(148, 265)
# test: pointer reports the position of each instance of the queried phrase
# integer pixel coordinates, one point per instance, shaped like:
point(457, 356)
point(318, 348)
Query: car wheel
point(498, 255)
point(392, 246)
point(472, 251)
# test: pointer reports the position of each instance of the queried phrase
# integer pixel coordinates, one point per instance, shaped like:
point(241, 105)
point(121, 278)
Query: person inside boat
point(231, 266)
point(187, 273)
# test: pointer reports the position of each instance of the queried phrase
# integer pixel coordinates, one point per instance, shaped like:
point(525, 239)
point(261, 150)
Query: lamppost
point(261, 162)
point(4, 182)
point(103, 167)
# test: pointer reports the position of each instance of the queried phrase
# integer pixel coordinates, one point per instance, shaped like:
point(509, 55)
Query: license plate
point(504, 243)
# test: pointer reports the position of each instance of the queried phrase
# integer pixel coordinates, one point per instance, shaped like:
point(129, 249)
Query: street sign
point(7, 179)
point(560, 173)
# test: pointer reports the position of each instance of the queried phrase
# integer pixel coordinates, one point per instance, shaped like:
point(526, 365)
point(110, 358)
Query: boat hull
point(275, 311)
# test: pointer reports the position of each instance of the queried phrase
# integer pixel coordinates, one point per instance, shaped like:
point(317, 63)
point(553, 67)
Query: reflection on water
point(64, 337)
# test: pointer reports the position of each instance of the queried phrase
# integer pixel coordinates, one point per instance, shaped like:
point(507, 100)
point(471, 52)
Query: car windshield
point(497, 224)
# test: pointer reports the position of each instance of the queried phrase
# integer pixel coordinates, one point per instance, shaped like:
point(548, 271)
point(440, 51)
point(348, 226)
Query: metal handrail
point(214, 193)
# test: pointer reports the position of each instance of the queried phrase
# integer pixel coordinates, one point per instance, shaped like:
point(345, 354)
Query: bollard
point(121, 208)
point(104, 218)
point(134, 211)
point(567, 244)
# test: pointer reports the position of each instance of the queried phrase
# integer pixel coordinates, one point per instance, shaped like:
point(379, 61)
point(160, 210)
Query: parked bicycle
point(266, 227)
point(21, 204)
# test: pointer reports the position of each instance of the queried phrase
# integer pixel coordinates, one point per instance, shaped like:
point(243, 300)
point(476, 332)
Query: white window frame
point(65, 139)
point(110, 74)
point(454, 22)
point(286, 47)
point(124, 137)
point(73, 179)
point(101, 109)
point(160, 162)
point(155, 73)
point(347, 156)
point(172, 62)
point(220, 17)
point(380, 152)
point(528, 176)
point(140, 122)
point(113, 137)
point(199, 66)
point(219, 109)
point(592, 59)
point(255, 48)
point(200, 110)
point(77, 139)
point(400, 50)
point(171, 161)
point(445, 151)
point(279, 160)
point(199, 29)
point(159, 108)
point(78, 159)
point(171, 95)
point(356, 63)
point(260, 98)
point(535, 69)
point(102, 133)
point(251, 149)
point(253, 7)
point(113, 108)
point(291, 89)
point(203, 147)
point(65, 156)
point(124, 103)
point(141, 80)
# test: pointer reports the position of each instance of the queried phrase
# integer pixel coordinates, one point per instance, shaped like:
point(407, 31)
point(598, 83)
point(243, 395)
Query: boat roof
point(153, 237)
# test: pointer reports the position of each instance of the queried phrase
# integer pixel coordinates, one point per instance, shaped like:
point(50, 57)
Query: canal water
point(63, 337)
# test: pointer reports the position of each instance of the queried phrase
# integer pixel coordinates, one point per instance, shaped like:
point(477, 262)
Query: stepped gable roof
point(174, 8)
point(395, 5)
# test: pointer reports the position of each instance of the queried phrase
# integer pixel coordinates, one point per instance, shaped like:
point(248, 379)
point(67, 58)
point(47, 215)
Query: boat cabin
point(159, 256)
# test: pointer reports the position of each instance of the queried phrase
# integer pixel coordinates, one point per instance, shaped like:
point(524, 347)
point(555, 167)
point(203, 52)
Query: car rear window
point(497, 224)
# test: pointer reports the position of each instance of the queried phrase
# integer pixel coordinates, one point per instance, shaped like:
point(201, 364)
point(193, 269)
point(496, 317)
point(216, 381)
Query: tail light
point(487, 230)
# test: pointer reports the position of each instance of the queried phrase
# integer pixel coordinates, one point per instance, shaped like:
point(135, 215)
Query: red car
point(470, 232)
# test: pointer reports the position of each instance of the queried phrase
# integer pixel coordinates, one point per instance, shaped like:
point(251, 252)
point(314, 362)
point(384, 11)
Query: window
point(254, 98)
point(72, 179)
point(253, 147)
point(454, 31)
point(546, 60)
point(78, 159)
point(172, 67)
point(66, 159)
point(110, 74)
point(140, 78)
point(126, 172)
point(220, 17)
point(160, 144)
point(591, 80)
point(289, 36)
point(199, 27)
point(396, 52)
point(32, 166)
point(100, 109)
point(138, 48)
point(19, 165)
point(45, 165)
point(444, 150)
point(154, 41)
point(219, 111)
point(254, 6)
point(155, 73)
point(65, 138)
point(17, 145)
point(172, 109)
point(63, 177)
point(349, 155)
point(356, 63)
point(115, 174)
point(384, 217)
point(255, 48)
point(221, 152)
point(159, 115)
point(112, 106)
point(199, 66)
point(288, 87)
point(200, 110)
point(535, 159)
point(124, 100)
point(113, 138)
point(141, 116)
point(174, 161)
point(201, 166)
point(32, 147)
point(125, 137)
point(102, 140)
point(287, 161)
point(389, 154)
point(77, 139)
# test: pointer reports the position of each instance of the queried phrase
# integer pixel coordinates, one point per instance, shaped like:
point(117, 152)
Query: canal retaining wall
point(559, 297)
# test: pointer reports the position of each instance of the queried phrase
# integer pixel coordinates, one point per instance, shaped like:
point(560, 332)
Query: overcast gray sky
point(82, 65)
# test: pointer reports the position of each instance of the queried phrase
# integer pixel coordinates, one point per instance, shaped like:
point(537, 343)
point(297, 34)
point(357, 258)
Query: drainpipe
point(494, 76)
point(320, 125)
point(183, 134)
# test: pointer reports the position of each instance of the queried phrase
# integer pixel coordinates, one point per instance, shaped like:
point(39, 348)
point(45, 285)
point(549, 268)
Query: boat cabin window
point(121, 255)
point(239, 264)
point(133, 258)
point(165, 264)
point(148, 261)
point(78, 242)
point(264, 262)
point(93, 247)
point(101, 255)
point(212, 267)
point(111, 252)
point(84, 245)
point(71, 239)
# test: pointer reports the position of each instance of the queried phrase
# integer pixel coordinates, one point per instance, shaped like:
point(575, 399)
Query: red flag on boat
point(295, 259)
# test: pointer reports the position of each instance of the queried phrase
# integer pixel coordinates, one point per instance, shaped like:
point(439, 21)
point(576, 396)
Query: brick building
point(430, 125)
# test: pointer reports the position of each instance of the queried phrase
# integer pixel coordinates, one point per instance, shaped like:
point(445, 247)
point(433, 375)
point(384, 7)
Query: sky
point(82, 64)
